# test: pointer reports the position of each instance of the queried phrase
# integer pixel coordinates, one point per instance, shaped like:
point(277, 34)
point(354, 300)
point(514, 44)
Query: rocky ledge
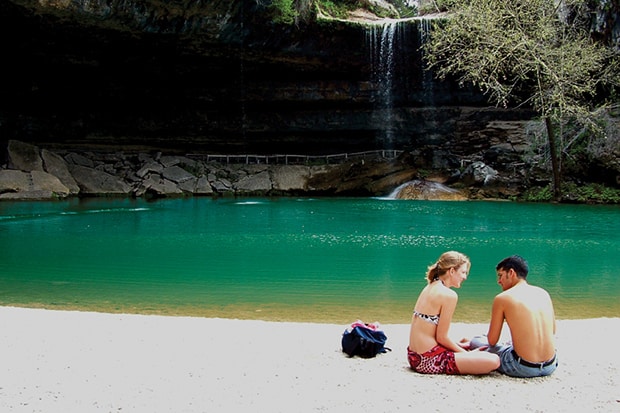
point(32, 173)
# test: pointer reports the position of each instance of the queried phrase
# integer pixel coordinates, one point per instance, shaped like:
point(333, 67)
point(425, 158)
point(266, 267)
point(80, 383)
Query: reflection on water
point(304, 259)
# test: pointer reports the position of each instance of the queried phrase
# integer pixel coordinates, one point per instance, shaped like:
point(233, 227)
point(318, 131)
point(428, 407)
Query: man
point(528, 310)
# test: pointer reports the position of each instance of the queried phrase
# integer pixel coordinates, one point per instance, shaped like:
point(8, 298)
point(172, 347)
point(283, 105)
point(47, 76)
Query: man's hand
point(464, 343)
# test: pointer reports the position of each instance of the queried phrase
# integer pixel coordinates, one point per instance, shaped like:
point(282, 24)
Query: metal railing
point(295, 159)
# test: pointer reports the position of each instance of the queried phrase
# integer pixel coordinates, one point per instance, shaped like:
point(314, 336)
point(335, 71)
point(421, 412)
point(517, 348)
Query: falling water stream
point(395, 49)
point(383, 40)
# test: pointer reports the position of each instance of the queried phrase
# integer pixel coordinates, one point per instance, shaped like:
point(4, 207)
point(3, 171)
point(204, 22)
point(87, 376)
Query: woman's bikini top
point(433, 319)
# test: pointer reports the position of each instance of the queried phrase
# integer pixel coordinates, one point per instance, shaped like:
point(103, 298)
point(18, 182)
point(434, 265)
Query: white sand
point(59, 361)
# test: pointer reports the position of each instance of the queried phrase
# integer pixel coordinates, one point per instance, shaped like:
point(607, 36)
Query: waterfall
point(427, 74)
point(397, 71)
point(383, 39)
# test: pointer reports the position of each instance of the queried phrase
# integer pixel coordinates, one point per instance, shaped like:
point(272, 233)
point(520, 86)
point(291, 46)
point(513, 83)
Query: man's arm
point(497, 321)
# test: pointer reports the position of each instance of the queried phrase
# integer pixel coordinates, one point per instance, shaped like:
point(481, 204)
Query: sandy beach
point(64, 361)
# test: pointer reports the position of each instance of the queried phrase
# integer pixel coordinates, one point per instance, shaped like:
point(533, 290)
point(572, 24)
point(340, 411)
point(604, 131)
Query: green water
point(321, 260)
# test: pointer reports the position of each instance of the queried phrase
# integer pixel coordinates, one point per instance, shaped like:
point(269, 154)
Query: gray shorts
point(513, 365)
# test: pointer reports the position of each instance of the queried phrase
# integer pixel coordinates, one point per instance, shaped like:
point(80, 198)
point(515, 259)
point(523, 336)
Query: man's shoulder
point(534, 289)
point(524, 294)
point(503, 295)
point(502, 300)
point(508, 296)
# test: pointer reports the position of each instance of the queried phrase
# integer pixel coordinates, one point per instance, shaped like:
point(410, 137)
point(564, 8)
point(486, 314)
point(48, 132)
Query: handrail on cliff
point(295, 159)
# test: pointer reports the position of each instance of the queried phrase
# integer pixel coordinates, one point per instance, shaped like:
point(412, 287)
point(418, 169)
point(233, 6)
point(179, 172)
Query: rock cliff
point(33, 173)
point(136, 77)
point(221, 77)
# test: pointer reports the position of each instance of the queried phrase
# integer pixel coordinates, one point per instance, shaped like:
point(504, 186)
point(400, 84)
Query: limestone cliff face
point(220, 77)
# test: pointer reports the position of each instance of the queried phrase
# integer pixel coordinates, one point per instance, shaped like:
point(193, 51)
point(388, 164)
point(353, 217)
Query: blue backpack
point(364, 342)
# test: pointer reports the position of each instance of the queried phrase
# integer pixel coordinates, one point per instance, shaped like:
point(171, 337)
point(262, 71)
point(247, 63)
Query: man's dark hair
point(516, 263)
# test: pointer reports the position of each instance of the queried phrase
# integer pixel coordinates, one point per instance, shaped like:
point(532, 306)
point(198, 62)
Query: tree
point(537, 53)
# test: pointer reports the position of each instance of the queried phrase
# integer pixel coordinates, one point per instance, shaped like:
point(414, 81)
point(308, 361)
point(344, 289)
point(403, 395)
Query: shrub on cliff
point(534, 53)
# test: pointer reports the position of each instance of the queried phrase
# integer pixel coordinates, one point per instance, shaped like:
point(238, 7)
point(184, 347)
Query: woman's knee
point(479, 362)
point(494, 360)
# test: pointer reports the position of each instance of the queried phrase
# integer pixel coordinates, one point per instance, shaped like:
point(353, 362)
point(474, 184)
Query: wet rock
point(57, 166)
point(30, 185)
point(77, 159)
point(290, 177)
point(169, 161)
point(177, 174)
point(149, 167)
point(12, 181)
point(98, 183)
point(48, 183)
point(142, 175)
point(157, 186)
point(222, 185)
point(188, 186)
point(254, 184)
point(24, 157)
point(480, 174)
point(203, 187)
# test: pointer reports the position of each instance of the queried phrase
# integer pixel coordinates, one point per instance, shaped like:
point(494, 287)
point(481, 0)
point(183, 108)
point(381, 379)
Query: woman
point(430, 349)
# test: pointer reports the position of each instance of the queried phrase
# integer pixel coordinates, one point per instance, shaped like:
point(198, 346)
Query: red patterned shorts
point(438, 360)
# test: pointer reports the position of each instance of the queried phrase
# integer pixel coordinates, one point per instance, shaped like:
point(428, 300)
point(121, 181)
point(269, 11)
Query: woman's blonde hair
point(447, 260)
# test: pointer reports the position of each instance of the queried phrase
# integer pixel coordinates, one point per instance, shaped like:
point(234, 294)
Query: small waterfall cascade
point(426, 190)
point(383, 41)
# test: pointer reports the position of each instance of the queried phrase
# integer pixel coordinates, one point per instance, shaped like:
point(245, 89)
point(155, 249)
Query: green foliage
point(404, 9)
point(535, 53)
point(582, 147)
point(603, 142)
point(437, 6)
point(585, 194)
point(338, 9)
point(283, 11)
point(538, 194)
point(591, 193)
point(424, 173)
point(521, 51)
